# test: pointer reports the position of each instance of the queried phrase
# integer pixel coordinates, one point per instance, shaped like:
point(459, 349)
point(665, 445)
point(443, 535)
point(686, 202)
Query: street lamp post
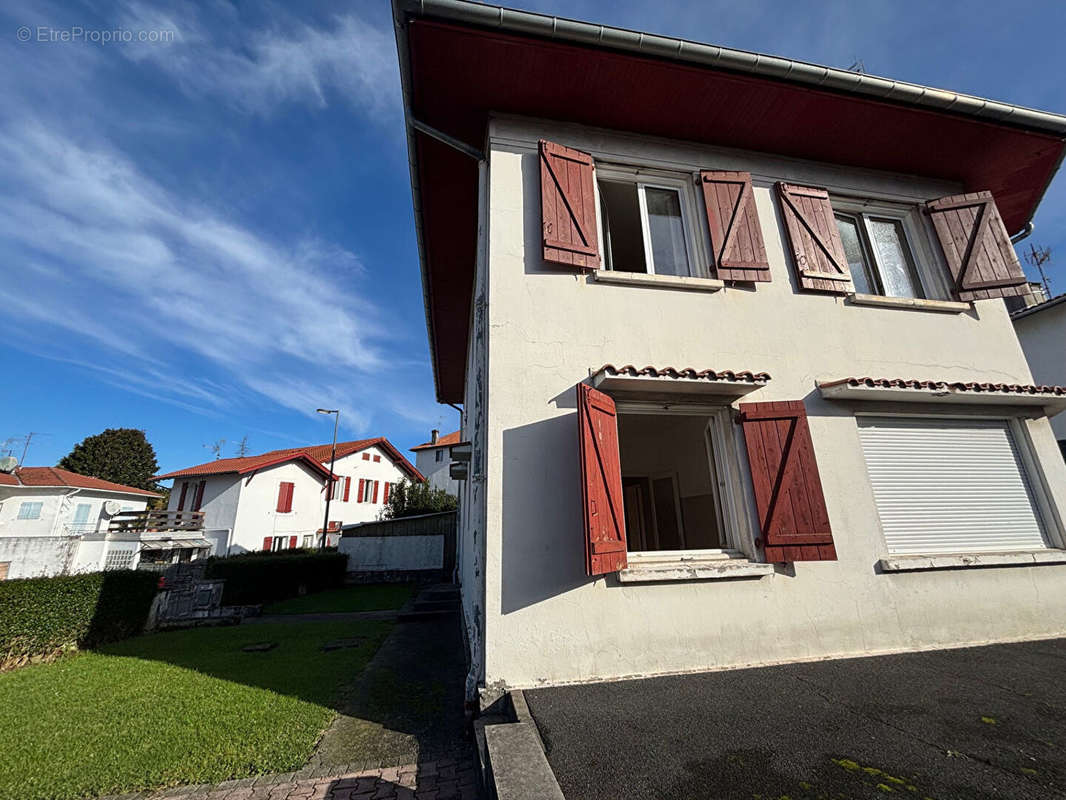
point(332, 459)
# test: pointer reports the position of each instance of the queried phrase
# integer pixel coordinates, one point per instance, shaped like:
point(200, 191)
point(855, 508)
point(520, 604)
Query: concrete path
point(336, 616)
point(974, 724)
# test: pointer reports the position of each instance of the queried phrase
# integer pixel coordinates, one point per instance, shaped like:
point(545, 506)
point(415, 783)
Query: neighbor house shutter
point(812, 232)
point(793, 520)
point(601, 482)
point(285, 496)
point(292, 542)
point(267, 541)
point(385, 497)
point(977, 247)
point(362, 490)
point(347, 489)
point(198, 495)
point(733, 223)
point(184, 491)
point(568, 206)
point(375, 492)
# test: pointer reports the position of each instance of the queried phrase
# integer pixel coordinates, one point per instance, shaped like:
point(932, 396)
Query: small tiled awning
point(175, 544)
point(683, 380)
point(910, 390)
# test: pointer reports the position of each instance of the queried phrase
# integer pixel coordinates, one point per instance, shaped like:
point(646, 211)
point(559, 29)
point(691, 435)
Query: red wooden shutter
point(366, 456)
point(377, 459)
point(601, 482)
point(568, 206)
point(267, 541)
point(362, 487)
point(977, 247)
point(292, 542)
point(812, 231)
point(788, 491)
point(347, 489)
point(733, 222)
point(184, 491)
point(198, 495)
point(385, 497)
point(285, 496)
point(375, 492)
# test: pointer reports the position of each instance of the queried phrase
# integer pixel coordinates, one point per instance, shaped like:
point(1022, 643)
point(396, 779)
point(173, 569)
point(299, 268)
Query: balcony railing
point(156, 521)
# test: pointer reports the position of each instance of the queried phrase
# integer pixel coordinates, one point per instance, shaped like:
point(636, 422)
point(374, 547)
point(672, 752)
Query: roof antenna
point(857, 66)
point(1037, 258)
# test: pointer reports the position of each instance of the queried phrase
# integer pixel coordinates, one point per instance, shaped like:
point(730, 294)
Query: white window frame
point(931, 274)
point(730, 494)
point(1047, 516)
point(27, 504)
point(655, 179)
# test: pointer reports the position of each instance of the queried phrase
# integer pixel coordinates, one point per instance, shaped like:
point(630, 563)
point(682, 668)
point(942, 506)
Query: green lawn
point(172, 708)
point(364, 597)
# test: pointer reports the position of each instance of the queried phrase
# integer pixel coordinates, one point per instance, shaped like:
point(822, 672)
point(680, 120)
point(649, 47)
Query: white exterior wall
point(544, 620)
point(257, 514)
point(1043, 338)
point(355, 467)
point(437, 472)
point(54, 543)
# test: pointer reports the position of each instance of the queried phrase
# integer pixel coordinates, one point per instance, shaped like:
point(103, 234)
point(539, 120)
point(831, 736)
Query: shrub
point(40, 618)
point(265, 577)
point(407, 499)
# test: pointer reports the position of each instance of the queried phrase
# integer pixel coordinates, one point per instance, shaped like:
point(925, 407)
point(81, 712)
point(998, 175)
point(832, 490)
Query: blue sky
point(210, 237)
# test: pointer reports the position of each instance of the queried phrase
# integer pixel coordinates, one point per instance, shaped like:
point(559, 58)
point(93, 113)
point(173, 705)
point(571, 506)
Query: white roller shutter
point(947, 486)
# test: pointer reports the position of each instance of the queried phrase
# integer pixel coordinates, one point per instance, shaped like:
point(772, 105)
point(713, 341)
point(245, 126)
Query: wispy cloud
point(259, 71)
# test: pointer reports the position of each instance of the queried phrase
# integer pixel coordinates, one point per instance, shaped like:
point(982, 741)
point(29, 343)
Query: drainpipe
point(1023, 233)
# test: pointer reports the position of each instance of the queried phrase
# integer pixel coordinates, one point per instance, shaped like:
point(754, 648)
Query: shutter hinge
point(758, 541)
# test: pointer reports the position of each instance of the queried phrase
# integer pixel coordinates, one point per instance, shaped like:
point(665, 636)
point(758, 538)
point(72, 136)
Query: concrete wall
point(1043, 338)
point(37, 556)
point(543, 620)
point(388, 553)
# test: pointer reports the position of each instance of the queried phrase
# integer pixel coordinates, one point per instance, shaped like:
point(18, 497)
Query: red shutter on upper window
point(267, 541)
point(377, 459)
point(568, 206)
point(817, 251)
point(285, 496)
point(601, 482)
point(375, 492)
point(788, 491)
point(362, 489)
point(366, 456)
point(733, 222)
point(347, 489)
point(184, 491)
point(198, 495)
point(977, 247)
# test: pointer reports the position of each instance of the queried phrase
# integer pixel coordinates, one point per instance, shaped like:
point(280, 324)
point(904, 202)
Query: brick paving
point(441, 779)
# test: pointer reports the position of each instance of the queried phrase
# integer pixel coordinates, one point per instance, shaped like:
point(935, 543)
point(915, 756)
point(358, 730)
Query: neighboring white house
point(727, 334)
point(54, 521)
point(277, 500)
point(432, 460)
point(1042, 332)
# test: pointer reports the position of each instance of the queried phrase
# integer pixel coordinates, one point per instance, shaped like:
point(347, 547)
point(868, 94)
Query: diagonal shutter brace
point(451, 141)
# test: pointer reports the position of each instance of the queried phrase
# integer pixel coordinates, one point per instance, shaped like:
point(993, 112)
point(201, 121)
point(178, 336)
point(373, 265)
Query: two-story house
point(728, 336)
point(277, 500)
point(433, 459)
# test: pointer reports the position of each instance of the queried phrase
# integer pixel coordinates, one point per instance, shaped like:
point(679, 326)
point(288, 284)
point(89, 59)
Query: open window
point(646, 223)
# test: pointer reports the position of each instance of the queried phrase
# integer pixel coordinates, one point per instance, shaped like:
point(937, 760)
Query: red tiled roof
point(686, 372)
point(314, 454)
point(958, 386)
point(442, 441)
point(55, 476)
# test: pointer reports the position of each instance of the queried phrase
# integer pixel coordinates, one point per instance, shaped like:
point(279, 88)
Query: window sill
point(967, 560)
point(917, 304)
point(703, 569)
point(659, 281)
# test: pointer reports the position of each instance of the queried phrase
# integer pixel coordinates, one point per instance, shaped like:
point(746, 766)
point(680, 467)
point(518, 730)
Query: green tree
point(121, 455)
point(407, 499)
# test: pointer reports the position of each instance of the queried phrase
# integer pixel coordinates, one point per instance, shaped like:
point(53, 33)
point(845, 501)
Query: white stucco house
point(728, 336)
point(1041, 330)
point(277, 500)
point(433, 459)
point(54, 521)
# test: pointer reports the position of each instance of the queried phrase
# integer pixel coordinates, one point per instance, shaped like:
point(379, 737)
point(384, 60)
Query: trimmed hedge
point(41, 618)
point(263, 577)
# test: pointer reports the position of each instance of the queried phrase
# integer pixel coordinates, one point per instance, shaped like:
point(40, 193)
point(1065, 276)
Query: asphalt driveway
point(977, 723)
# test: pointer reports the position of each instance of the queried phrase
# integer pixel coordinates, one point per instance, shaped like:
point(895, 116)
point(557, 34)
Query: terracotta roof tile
point(56, 476)
point(689, 373)
point(319, 453)
point(958, 386)
point(442, 441)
